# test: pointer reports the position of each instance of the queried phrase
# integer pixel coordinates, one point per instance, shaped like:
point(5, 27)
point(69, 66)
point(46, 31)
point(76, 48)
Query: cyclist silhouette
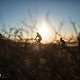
point(38, 38)
point(62, 42)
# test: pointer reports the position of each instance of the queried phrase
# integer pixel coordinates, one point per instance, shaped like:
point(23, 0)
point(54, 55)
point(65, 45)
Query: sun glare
point(45, 31)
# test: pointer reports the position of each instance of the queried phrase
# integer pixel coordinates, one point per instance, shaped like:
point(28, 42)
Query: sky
point(12, 12)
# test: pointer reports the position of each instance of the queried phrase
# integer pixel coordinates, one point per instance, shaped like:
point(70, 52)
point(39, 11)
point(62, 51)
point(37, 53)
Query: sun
point(45, 31)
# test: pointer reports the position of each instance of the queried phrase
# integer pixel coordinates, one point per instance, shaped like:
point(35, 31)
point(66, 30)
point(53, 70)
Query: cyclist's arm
point(35, 38)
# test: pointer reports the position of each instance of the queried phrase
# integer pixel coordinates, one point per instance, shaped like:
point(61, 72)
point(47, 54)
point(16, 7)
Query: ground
point(25, 61)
